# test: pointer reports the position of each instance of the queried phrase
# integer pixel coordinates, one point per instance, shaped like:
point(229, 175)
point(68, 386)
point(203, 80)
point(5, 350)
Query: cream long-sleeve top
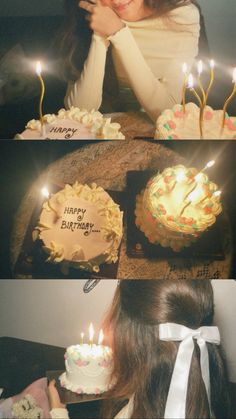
point(148, 56)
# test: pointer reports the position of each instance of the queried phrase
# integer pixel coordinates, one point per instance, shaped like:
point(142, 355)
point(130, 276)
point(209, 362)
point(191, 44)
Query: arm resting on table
point(86, 92)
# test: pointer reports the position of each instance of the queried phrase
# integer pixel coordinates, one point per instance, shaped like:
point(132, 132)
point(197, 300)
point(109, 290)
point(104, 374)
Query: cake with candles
point(88, 368)
point(177, 206)
point(72, 124)
point(175, 124)
point(189, 121)
point(80, 227)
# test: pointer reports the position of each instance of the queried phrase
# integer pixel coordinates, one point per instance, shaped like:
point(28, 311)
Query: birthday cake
point(88, 369)
point(81, 227)
point(177, 206)
point(72, 124)
point(175, 124)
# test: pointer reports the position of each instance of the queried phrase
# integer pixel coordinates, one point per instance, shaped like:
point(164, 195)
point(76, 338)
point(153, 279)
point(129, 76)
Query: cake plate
point(208, 245)
point(69, 397)
point(32, 258)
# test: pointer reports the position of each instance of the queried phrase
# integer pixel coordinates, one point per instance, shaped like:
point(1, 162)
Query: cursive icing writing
point(73, 226)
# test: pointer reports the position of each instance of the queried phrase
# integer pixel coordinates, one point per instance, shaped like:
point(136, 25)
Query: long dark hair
point(143, 364)
point(74, 38)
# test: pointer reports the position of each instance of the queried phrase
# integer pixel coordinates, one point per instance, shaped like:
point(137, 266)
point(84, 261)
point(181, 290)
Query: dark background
point(22, 162)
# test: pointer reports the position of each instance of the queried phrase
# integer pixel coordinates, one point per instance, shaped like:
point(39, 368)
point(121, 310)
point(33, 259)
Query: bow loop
point(176, 400)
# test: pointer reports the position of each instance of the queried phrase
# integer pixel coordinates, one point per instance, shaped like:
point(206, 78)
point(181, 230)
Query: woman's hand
point(53, 395)
point(103, 20)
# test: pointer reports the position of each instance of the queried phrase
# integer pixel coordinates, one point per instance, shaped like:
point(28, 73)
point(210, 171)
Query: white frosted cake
point(72, 124)
point(177, 206)
point(174, 124)
point(80, 226)
point(88, 369)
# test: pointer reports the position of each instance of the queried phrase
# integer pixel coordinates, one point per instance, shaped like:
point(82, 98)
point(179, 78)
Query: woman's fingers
point(87, 6)
point(54, 398)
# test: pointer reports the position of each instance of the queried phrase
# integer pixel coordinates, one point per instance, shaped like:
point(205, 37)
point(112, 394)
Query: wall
point(52, 312)
point(220, 17)
point(55, 312)
point(30, 7)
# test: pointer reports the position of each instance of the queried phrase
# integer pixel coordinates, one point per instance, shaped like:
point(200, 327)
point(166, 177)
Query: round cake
point(177, 206)
point(174, 124)
point(72, 124)
point(80, 226)
point(88, 369)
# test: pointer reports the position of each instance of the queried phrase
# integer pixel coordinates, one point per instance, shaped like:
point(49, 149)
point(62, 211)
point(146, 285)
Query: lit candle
point(208, 165)
point(100, 337)
point(198, 176)
point(184, 69)
point(180, 177)
point(82, 338)
point(192, 196)
point(200, 70)
point(191, 87)
point(39, 71)
point(216, 194)
point(91, 333)
point(45, 192)
point(212, 77)
point(229, 100)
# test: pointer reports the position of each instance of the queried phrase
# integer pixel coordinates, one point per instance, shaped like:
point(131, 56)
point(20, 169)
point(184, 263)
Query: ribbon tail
point(204, 361)
point(179, 381)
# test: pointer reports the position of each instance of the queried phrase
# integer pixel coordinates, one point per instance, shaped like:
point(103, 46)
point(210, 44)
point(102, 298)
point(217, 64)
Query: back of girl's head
point(143, 364)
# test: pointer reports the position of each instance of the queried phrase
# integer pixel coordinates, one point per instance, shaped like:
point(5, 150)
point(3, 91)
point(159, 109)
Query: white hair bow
point(176, 400)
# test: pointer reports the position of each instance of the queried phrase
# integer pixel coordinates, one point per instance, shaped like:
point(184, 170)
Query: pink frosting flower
point(97, 391)
point(179, 114)
point(171, 124)
point(104, 363)
point(79, 391)
point(81, 363)
point(208, 115)
point(229, 123)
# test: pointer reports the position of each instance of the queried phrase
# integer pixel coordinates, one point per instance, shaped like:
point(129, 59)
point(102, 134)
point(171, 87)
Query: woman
point(123, 55)
point(144, 360)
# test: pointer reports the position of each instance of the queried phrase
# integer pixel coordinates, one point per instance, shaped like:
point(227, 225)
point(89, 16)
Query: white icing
point(72, 124)
point(81, 226)
point(165, 214)
point(188, 126)
point(88, 369)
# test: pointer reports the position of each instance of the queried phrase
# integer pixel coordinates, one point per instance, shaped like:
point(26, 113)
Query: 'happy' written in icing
point(75, 211)
point(69, 132)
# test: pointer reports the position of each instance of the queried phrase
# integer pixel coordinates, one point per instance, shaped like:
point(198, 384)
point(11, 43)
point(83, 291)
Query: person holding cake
point(167, 359)
point(120, 55)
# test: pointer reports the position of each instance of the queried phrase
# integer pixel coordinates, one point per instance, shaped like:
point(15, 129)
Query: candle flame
point(200, 67)
point(217, 193)
point(91, 332)
point(210, 163)
point(38, 68)
point(190, 81)
point(234, 76)
point(194, 195)
point(180, 177)
point(100, 337)
point(82, 335)
point(198, 177)
point(212, 64)
point(45, 192)
point(184, 68)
